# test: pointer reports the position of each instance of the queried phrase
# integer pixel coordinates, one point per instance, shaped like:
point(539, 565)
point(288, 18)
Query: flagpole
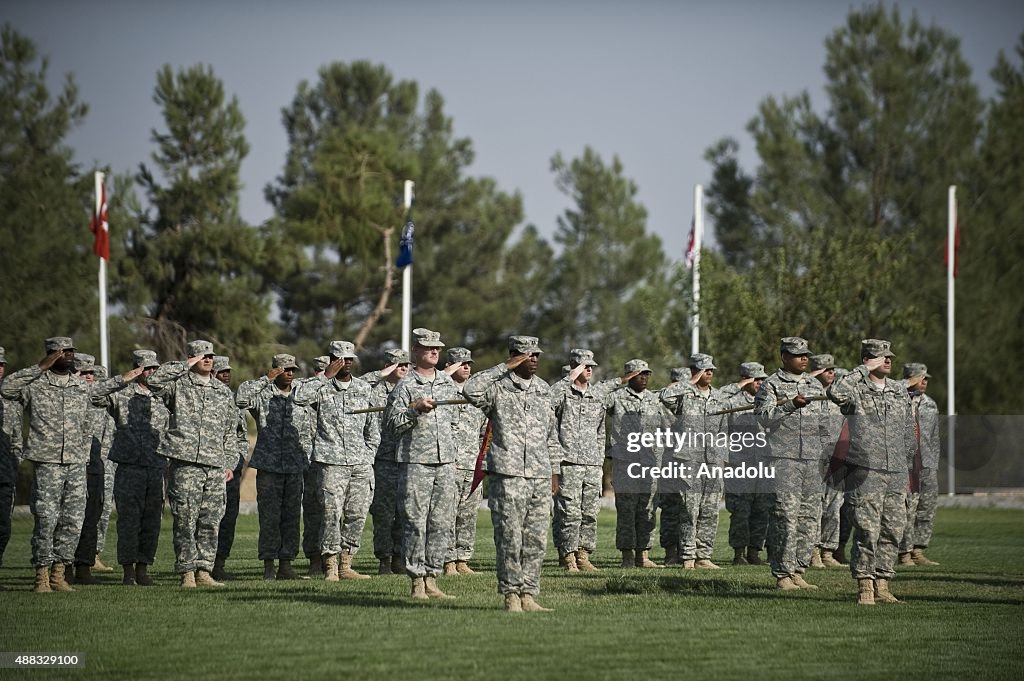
point(950, 347)
point(104, 343)
point(407, 282)
point(698, 236)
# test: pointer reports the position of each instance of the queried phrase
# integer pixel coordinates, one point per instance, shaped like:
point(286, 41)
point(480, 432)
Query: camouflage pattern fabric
point(232, 499)
point(203, 419)
point(196, 494)
point(577, 503)
point(699, 518)
point(426, 438)
point(109, 471)
point(279, 425)
point(749, 501)
point(917, 533)
point(57, 407)
point(462, 540)
point(342, 439)
point(668, 530)
point(634, 512)
point(58, 505)
point(427, 502)
point(387, 525)
point(346, 492)
point(279, 501)
point(139, 496)
point(312, 512)
point(10, 452)
point(519, 512)
point(878, 506)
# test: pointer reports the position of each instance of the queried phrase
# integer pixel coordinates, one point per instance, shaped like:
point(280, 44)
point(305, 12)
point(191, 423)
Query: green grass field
point(963, 618)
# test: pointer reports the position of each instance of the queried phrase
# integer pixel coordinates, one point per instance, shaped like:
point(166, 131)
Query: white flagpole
point(950, 347)
point(407, 282)
point(104, 344)
point(698, 236)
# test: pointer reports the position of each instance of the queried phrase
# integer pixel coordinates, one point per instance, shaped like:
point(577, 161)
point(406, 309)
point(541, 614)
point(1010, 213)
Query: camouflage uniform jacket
point(792, 433)
point(832, 420)
point(468, 425)
point(59, 429)
point(422, 438)
point(744, 422)
point(579, 420)
point(379, 398)
point(203, 417)
point(880, 418)
point(101, 427)
point(630, 411)
point(341, 439)
point(10, 426)
point(694, 413)
point(305, 418)
point(731, 390)
point(928, 422)
point(524, 442)
point(140, 418)
point(279, 437)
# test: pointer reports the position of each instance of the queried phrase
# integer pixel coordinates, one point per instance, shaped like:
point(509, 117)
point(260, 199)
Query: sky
point(654, 83)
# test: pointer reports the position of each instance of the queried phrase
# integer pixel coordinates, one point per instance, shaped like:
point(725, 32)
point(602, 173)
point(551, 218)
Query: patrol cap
point(342, 349)
point(752, 370)
point(58, 343)
point(524, 345)
point(397, 356)
point(320, 363)
point(875, 347)
point(840, 372)
point(221, 363)
point(427, 338)
point(636, 365)
point(680, 374)
point(824, 361)
point(85, 363)
point(100, 371)
point(284, 361)
point(794, 345)
point(199, 348)
point(565, 370)
point(145, 359)
point(3, 356)
point(579, 356)
point(458, 355)
point(915, 369)
point(699, 360)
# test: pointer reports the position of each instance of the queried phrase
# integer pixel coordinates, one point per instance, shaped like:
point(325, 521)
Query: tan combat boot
point(42, 585)
point(57, 581)
point(397, 564)
point(462, 567)
point(689, 564)
point(583, 561)
point(530, 605)
point(706, 564)
point(798, 579)
point(642, 561)
point(567, 561)
point(627, 559)
point(513, 603)
point(331, 567)
point(827, 560)
point(268, 571)
point(142, 577)
point(672, 555)
point(816, 558)
point(285, 570)
point(450, 569)
point(786, 584)
point(738, 558)
point(346, 571)
point(419, 590)
point(219, 573)
point(188, 580)
point(432, 590)
point(752, 556)
point(204, 578)
point(865, 591)
point(128, 578)
point(918, 557)
point(83, 575)
point(882, 593)
point(98, 565)
point(905, 559)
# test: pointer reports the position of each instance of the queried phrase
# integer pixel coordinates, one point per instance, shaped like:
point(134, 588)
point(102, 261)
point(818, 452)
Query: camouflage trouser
point(232, 496)
point(670, 503)
point(917, 533)
point(387, 526)
point(877, 500)
point(58, 504)
point(312, 511)
point(279, 503)
point(796, 515)
point(576, 506)
point(86, 552)
point(110, 468)
point(139, 495)
point(462, 539)
point(634, 513)
point(699, 519)
point(197, 495)
point(831, 504)
point(749, 505)
point(845, 520)
point(427, 502)
point(8, 481)
point(520, 508)
point(345, 492)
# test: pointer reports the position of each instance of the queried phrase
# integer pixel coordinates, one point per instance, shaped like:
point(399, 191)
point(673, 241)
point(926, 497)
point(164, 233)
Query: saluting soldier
point(924, 481)
point(233, 489)
point(748, 501)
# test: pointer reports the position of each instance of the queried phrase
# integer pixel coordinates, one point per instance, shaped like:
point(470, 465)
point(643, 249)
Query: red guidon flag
point(98, 226)
point(478, 472)
point(691, 251)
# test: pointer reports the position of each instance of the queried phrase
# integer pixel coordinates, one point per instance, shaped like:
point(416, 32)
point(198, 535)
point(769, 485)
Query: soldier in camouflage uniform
point(57, 403)
point(696, 404)
point(109, 472)
point(10, 455)
point(201, 443)
point(343, 451)
point(748, 500)
point(523, 465)
point(797, 441)
point(882, 448)
point(141, 420)
point(924, 481)
point(823, 367)
point(468, 430)
point(233, 489)
point(425, 449)
point(670, 502)
point(312, 507)
point(632, 409)
point(279, 459)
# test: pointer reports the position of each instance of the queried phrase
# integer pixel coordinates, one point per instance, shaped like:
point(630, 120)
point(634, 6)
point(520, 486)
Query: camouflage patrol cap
point(284, 361)
point(579, 356)
point(320, 363)
point(915, 369)
point(752, 370)
point(427, 338)
point(699, 360)
point(397, 356)
point(524, 345)
point(459, 355)
point(3, 356)
point(85, 363)
point(874, 347)
point(342, 349)
point(636, 365)
point(58, 343)
point(221, 363)
point(794, 345)
point(824, 361)
point(101, 372)
point(145, 359)
point(565, 370)
point(840, 372)
point(199, 348)
point(680, 374)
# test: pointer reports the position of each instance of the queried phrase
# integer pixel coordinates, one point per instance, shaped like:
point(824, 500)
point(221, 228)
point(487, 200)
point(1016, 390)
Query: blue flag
point(405, 247)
